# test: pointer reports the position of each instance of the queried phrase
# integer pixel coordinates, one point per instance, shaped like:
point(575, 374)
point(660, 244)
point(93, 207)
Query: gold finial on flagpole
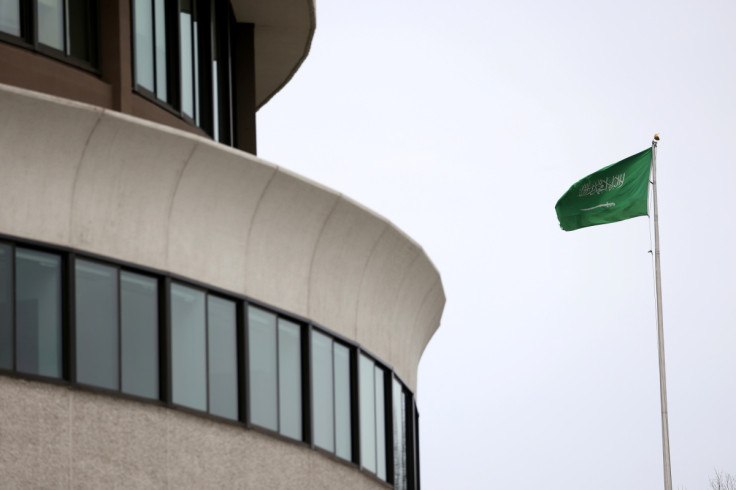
point(656, 136)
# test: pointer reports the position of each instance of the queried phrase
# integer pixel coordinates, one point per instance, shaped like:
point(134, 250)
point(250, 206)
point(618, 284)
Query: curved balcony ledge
point(125, 188)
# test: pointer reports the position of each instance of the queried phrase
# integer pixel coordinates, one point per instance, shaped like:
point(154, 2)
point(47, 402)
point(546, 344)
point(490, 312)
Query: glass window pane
point(223, 366)
point(10, 17)
point(51, 23)
point(290, 379)
point(343, 425)
point(144, 43)
point(399, 413)
point(366, 378)
point(380, 426)
point(38, 312)
point(188, 354)
point(81, 31)
point(214, 39)
point(215, 104)
point(323, 402)
point(6, 304)
point(195, 74)
point(262, 368)
point(187, 76)
point(139, 334)
point(160, 47)
point(96, 292)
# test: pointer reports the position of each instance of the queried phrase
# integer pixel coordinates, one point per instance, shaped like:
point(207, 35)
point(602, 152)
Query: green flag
point(614, 193)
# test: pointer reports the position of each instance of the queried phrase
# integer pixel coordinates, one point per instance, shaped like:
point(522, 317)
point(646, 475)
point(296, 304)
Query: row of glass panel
point(117, 332)
point(66, 26)
point(169, 62)
point(171, 67)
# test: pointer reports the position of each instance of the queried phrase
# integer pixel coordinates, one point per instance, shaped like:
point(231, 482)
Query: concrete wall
point(57, 437)
point(103, 182)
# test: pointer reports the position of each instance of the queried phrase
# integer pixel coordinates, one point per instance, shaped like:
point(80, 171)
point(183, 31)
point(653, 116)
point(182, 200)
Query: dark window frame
point(164, 280)
point(28, 38)
point(72, 337)
point(353, 395)
point(305, 370)
point(14, 245)
point(238, 327)
point(203, 89)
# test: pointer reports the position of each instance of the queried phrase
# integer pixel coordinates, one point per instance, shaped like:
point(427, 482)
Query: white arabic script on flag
point(601, 185)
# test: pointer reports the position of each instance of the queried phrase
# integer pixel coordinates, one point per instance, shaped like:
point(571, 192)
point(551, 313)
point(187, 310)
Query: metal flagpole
point(660, 329)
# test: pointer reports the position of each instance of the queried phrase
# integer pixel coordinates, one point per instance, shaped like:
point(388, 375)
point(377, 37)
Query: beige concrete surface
point(54, 437)
point(128, 189)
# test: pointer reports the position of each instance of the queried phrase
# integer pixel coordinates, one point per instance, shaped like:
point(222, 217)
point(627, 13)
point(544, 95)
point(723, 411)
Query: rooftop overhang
point(283, 36)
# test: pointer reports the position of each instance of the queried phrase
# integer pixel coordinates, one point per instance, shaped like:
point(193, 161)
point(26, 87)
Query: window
point(275, 372)
point(189, 45)
point(323, 404)
point(180, 59)
point(96, 324)
point(372, 417)
point(357, 409)
point(290, 379)
point(116, 329)
point(10, 17)
point(399, 417)
point(150, 55)
point(38, 312)
point(139, 334)
point(222, 355)
point(331, 395)
point(6, 306)
point(188, 348)
point(203, 349)
point(65, 29)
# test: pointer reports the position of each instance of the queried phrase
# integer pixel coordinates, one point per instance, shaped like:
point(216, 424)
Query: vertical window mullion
point(410, 444)
point(65, 28)
point(355, 405)
point(154, 46)
point(195, 63)
point(165, 342)
point(7, 321)
point(278, 378)
point(225, 76)
point(417, 471)
point(207, 351)
point(13, 300)
point(306, 391)
point(240, 359)
point(13, 307)
point(245, 384)
point(33, 34)
point(69, 325)
point(334, 396)
point(120, 330)
point(212, 60)
point(389, 424)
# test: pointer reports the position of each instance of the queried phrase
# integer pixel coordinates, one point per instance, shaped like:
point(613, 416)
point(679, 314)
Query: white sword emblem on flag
point(604, 205)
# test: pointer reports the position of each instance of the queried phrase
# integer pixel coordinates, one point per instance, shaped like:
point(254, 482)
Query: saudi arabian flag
point(613, 193)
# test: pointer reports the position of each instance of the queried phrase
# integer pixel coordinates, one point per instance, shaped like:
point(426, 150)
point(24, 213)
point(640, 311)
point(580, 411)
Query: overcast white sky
point(463, 122)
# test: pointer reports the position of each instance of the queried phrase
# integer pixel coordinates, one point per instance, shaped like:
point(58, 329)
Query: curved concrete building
point(174, 311)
